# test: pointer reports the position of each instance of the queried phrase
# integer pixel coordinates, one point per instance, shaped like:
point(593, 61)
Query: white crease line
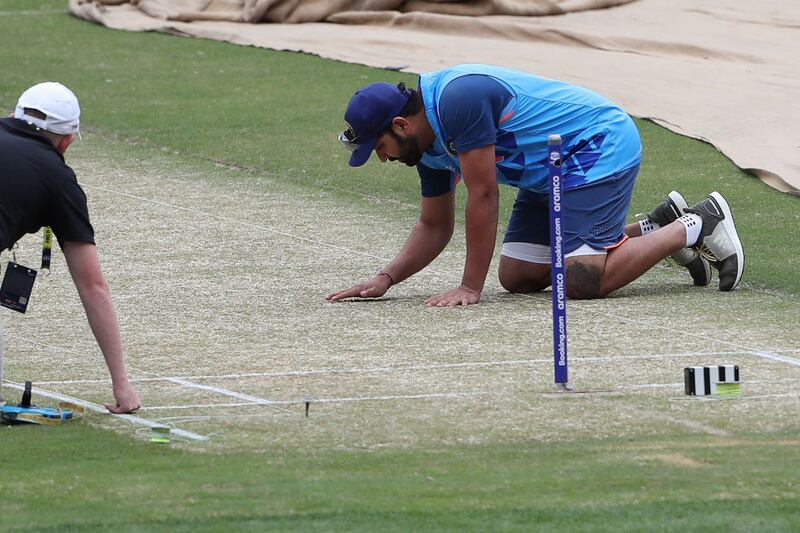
point(100, 381)
point(177, 381)
point(653, 386)
point(325, 400)
point(776, 357)
point(157, 377)
point(396, 397)
point(100, 409)
point(450, 395)
point(220, 390)
point(201, 406)
point(227, 416)
point(378, 370)
point(255, 400)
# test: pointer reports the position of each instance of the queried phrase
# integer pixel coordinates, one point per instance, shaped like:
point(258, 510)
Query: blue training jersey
point(469, 106)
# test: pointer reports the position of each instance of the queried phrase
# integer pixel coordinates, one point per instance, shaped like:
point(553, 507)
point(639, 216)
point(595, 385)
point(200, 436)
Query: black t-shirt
point(37, 188)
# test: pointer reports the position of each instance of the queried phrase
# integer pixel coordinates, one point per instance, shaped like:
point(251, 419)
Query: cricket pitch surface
point(219, 276)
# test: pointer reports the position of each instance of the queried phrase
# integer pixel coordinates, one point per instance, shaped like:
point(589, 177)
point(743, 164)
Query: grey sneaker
point(719, 242)
point(697, 265)
point(668, 211)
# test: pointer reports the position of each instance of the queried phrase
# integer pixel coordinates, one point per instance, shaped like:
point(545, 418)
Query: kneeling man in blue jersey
point(487, 125)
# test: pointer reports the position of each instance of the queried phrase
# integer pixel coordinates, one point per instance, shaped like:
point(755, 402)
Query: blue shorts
point(594, 219)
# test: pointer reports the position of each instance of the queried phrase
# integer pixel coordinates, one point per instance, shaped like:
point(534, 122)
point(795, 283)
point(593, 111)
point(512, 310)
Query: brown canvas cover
point(298, 11)
point(724, 71)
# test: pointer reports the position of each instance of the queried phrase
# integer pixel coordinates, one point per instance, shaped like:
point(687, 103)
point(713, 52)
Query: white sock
point(693, 224)
point(647, 226)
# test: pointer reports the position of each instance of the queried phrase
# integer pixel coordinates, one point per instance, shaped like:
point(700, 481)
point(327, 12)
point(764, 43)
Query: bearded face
point(408, 151)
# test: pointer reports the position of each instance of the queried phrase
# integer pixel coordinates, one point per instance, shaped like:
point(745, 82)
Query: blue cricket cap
point(370, 110)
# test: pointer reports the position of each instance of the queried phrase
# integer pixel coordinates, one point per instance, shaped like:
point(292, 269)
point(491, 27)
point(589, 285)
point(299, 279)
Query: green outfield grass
point(76, 479)
point(277, 114)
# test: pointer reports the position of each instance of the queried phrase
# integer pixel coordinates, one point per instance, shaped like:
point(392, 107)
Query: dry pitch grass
point(219, 279)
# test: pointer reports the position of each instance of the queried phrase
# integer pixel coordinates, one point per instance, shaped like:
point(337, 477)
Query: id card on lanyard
point(15, 291)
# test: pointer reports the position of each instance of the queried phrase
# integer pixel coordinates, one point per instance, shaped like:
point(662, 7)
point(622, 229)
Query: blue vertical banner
point(557, 270)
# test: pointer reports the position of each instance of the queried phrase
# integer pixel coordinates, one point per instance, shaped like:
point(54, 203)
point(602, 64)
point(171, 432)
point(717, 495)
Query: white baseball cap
point(56, 102)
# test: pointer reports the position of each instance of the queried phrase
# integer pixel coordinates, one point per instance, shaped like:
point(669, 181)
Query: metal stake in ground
point(557, 270)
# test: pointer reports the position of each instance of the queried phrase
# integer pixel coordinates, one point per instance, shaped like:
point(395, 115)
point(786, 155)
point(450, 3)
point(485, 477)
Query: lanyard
point(47, 248)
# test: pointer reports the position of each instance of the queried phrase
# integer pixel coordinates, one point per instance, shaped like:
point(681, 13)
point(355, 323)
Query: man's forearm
point(481, 227)
point(103, 322)
point(84, 266)
point(423, 245)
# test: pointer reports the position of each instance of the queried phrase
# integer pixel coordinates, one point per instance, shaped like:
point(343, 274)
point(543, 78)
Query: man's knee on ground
point(584, 282)
point(520, 281)
point(511, 283)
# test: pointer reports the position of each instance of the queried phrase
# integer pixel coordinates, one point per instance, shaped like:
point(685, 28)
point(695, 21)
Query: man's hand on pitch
point(462, 295)
point(372, 288)
point(127, 400)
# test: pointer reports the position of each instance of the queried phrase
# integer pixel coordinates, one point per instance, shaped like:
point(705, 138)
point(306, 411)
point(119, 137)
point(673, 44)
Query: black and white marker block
point(700, 380)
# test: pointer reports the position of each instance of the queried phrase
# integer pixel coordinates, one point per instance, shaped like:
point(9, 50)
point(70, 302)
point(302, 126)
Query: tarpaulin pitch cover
point(724, 71)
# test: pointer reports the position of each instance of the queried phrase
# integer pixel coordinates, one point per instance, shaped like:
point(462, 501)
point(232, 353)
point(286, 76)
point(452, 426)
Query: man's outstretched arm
point(84, 266)
point(478, 168)
point(428, 238)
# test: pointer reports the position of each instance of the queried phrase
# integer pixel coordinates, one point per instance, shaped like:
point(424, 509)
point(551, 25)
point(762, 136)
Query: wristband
point(470, 289)
point(391, 281)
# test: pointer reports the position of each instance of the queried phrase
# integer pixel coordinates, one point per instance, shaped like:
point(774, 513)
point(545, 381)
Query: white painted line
point(97, 381)
point(157, 377)
point(200, 406)
point(100, 409)
point(326, 400)
point(256, 400)
point(227, 416)
point(401, 397)
point(390, 369)
point(449, 395)
point(776, 357)
point(219, 390)
point(653, 386)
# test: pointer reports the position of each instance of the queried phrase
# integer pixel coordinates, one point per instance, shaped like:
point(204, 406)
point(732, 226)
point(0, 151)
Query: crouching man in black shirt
point(38, 189)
